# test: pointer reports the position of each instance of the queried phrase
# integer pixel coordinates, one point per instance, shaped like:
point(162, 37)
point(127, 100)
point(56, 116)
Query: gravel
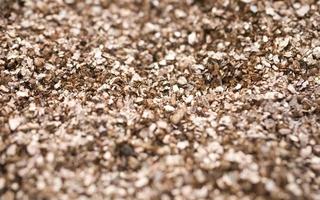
point(170, 99)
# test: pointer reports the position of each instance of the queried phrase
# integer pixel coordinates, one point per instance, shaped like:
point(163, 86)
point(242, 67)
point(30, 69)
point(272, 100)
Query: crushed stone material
point(159, 99)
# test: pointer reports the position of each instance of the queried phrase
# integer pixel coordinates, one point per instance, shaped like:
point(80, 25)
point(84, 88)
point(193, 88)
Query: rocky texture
point(170, 99)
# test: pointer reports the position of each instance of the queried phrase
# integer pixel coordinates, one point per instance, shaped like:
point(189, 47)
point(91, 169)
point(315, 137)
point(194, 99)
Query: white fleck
point(282, 43)
point(12, 150)
point(50, 157)
point(305, 152)
point(198, 66)
point(32, 149)
point(174, 160)
point(246, 26)
point(15, 122)
point(316, 52)
point(22, 93)
point(182, 80)
point(180, 13)
point(265, 63)
point(175, 88)
point(295, 189)
point(69, 1)
point(57, 85)
point(170, 56)
point(270, 11)
point(276, 59)
point(141, 182)
point(162, 124)
point(254, 8)
point(265, 39)
point(226, 120)
point(2, 183)
point(272, 95)
point(188, 99)
point(238, 86)
point(219, 89)
point(259, 66)
point(303, 10)
point(4, 89)
point(169, 108)
point(136, 77)
point(107, 155)
point(294, 138)
point(270, 185)
point(192, 38)
point(182, 144)
point(216, 55)
point(163, 62)
point(292, 89)
point(97, 53)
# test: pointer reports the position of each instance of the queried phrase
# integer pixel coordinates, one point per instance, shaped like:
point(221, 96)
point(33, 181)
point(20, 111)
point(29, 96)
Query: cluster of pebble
point(170, 99)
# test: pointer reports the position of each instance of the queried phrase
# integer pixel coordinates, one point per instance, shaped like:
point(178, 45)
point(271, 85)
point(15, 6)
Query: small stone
point(15, 122)
point(174, 160)
point(192, 38)
point(178, 116)
point(162, 124)
point(282, 43)
point(11, 151)
point(284, 131)
point(305, 152)
point(182, 80)
point(170, 56)
point(2, 183)
point(259, 67)
point(39, 62)
point(293, 138)
point(270, 11)
point(180, 13)
point(295, 189)
point(188, 99)
point(32, 149)
point(69, 1)
point(270, 185)
point(107, 155)
point(141, 182)
point(57, 85)
point(271, 95)
point(226, 121)
point(163, 62)
point(303, 10)
point(175, 88)
point(50, 157)
point(292, 89)
point(316, 52)
point(238, 87)
point(22, 94)
point(216, 55)
point(169, 108)
point(4, 89)
point(182, 145)
point(254, 8)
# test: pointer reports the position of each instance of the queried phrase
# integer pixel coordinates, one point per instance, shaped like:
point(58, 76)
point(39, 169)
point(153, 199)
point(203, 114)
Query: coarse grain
point(150, 99)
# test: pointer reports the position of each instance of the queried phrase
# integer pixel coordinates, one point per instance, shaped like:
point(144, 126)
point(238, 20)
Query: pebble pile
point(159, 99)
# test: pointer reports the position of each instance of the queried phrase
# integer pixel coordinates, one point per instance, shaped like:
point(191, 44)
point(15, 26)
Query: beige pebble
point(303, 10)
point(178, 115)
